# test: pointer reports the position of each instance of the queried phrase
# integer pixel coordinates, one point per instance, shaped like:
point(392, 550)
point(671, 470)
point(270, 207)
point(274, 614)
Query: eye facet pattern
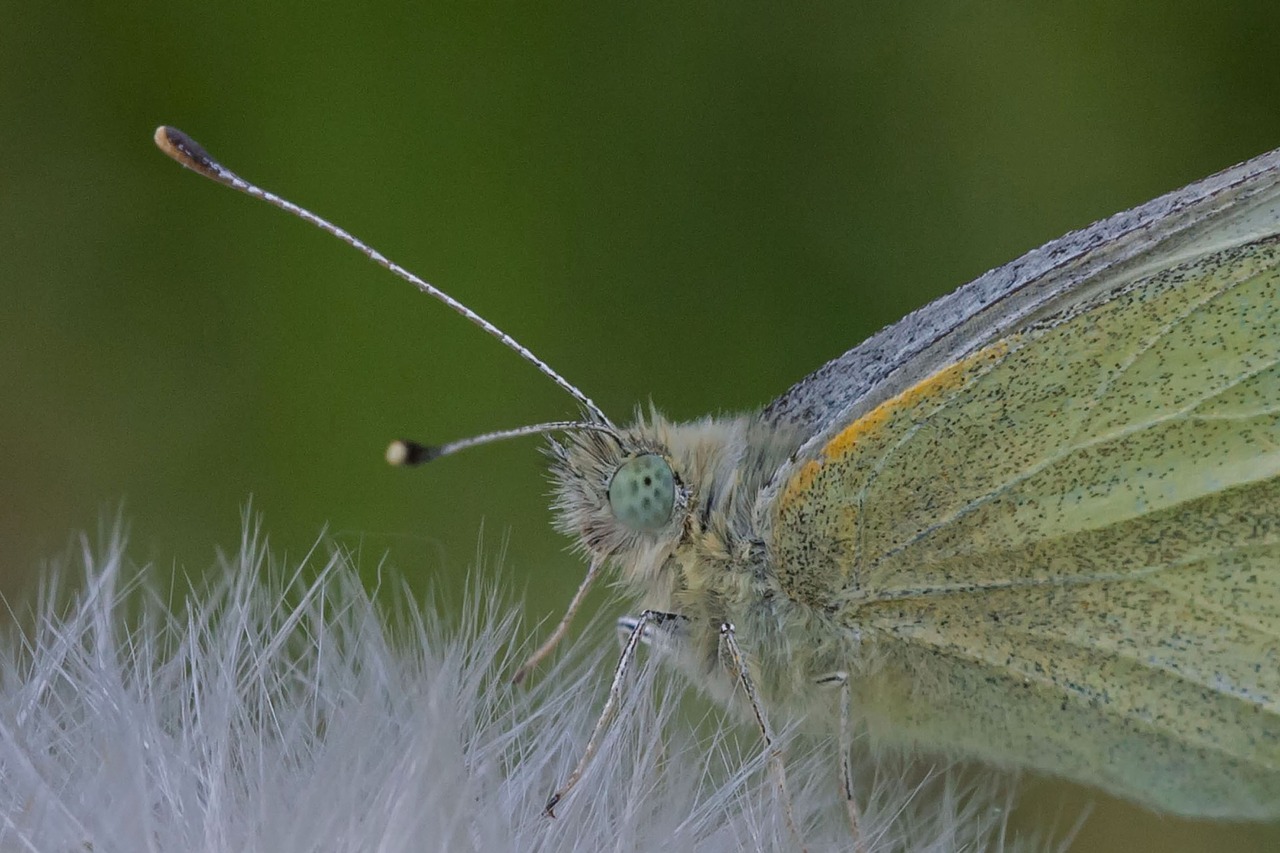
point(642, 492)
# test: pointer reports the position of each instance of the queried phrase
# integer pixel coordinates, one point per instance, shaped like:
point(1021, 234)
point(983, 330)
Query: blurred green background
point(694, 204)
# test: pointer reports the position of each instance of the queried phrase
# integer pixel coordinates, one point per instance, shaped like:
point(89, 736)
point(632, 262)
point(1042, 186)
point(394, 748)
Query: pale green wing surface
point(1064, 550)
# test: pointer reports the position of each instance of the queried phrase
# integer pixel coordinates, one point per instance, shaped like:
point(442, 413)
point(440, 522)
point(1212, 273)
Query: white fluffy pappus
point(285, 708)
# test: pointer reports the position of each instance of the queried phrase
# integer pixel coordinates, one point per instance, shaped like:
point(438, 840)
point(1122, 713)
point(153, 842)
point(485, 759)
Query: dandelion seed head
point(283, 707)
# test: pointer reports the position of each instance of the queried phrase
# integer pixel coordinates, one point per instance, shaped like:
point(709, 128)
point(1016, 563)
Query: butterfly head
point(652, 491)
point(623, 496)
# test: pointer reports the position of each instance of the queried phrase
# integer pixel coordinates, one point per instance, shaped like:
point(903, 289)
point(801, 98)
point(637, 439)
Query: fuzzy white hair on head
point(284, 708)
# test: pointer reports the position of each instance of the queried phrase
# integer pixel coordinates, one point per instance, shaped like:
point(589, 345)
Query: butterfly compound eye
point(642, 492)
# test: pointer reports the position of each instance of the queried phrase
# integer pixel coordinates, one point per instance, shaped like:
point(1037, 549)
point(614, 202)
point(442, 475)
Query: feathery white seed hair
point(283, 708)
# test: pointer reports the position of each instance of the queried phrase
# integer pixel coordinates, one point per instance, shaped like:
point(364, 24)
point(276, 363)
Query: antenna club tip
point(402, 453)
point(187, 152)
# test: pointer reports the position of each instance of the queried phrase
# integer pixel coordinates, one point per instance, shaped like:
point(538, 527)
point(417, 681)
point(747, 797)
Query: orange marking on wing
point(948, 379)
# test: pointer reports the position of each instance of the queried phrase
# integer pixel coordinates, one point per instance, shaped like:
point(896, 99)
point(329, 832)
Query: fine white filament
point(285, 708)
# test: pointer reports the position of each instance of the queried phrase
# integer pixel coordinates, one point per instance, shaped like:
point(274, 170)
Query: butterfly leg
point(776, 765)
point(662, 632)
point(633, 642)
point(841, 680)
point(563, 627)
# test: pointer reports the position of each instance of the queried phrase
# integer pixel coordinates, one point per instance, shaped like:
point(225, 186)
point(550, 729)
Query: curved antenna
point(405, 453)
point(189, 153)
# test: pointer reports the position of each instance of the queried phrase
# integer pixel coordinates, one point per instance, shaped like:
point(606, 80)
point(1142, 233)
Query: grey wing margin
point(1233, 207)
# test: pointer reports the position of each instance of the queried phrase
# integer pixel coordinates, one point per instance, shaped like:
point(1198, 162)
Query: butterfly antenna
point(189, 153)
point(403, 452)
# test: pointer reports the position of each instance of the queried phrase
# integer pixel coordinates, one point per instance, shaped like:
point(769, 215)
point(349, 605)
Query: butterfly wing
point(1232, 207)
point(1055, 520)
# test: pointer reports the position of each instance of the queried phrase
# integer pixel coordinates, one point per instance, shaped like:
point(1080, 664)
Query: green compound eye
point(642, 492)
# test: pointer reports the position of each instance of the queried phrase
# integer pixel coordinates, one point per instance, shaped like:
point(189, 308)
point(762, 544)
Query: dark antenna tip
point(406, 454)
point(189, 153)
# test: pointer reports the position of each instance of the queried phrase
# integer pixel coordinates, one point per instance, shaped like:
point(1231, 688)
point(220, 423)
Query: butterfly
point(1035, 523)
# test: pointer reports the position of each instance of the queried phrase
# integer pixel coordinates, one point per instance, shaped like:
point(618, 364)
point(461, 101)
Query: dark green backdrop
point(694, 204)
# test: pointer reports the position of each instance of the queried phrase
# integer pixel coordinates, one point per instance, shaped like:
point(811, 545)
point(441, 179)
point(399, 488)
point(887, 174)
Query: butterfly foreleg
point(640, 626)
